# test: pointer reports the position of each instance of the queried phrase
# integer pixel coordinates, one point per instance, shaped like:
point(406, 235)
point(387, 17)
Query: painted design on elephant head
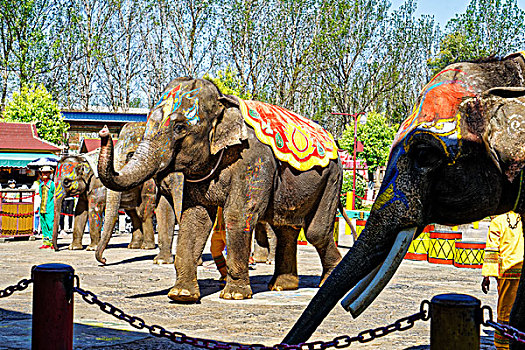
point(438, 101)
point(436, 114)
point(65, 171)
point(172, 100)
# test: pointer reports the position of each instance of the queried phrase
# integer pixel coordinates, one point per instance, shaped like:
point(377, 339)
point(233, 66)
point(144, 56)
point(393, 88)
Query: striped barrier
point(418, 249)
point(441, 249)
point(469, 254)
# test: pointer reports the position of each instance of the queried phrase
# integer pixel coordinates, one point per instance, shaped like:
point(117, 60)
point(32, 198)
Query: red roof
point(23, 137)
point(88, 145)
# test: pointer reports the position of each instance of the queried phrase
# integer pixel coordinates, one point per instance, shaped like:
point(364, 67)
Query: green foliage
point(486, 28)
point(229, 83)
point(348, 185)
point(376, 135)
point(34, 104)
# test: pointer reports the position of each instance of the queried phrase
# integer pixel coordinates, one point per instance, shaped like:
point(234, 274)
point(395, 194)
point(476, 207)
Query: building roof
point(88, 144)
point(23, 137)
point(104, 116)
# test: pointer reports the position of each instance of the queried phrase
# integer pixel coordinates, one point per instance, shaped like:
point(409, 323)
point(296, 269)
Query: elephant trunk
point(59, 200)
point(110, 218)
point(362, 260)
point(142, 166)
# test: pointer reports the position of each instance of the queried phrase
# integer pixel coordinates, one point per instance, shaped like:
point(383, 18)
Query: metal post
point(455, 322)
point(52, 307)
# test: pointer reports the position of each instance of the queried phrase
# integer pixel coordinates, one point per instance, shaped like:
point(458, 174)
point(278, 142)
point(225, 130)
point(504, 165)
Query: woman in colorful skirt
point(47, 206)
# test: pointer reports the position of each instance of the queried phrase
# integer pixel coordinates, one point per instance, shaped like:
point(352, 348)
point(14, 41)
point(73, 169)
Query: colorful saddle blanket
point(294, 139)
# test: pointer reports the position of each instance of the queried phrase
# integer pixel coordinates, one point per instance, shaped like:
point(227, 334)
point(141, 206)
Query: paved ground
point(134, 284)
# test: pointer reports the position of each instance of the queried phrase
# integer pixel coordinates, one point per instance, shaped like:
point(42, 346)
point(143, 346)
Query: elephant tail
point(347, 219)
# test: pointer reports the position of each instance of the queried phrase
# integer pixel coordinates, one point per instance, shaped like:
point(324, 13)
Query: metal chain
point(340, 342)
point(20, 286)
point(505, 330)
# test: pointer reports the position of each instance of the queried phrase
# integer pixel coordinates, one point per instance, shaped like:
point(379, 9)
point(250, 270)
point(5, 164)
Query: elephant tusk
point(359, 288)
point(364, 293)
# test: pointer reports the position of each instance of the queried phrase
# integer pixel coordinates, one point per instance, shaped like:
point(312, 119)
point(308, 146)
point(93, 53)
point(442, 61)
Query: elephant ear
point(228, 129)
point(504, 135)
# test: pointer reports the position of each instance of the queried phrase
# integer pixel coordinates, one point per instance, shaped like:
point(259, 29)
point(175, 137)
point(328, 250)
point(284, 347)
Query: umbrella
point(40, 162)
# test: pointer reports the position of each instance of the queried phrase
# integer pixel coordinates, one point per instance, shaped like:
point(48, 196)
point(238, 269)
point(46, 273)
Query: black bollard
point(52, 307)
point(455, 322)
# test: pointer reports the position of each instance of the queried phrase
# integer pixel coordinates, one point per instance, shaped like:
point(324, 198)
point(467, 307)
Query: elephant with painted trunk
point(138, 202)
point(457, 158)
point(75, 177)
point(210, 145)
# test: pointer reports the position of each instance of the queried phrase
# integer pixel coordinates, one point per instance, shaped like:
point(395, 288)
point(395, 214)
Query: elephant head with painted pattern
point(456, 159)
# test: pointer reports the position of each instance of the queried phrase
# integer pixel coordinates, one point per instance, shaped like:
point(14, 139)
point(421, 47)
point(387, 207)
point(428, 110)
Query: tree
point(124, 62)
point(35, 104)
point(369, 58)
point(486, 28)
point(229, 83)
point(376, 135)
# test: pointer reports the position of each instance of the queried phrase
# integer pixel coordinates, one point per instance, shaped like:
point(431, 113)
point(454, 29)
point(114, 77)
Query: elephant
point(138, 202)
point(75, 177)
point(456, 159)
point(265, 244)
point(201, 138)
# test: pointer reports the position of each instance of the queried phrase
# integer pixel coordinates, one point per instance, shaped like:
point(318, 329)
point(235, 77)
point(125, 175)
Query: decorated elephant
point(456, 159)
point(223, 151)
point(75, 177)
point(138, 202)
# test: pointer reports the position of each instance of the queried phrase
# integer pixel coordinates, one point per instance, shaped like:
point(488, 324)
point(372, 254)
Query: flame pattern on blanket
point(294, 139)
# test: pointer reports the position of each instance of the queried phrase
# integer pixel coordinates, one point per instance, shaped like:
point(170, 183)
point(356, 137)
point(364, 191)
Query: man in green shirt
point(47, 206)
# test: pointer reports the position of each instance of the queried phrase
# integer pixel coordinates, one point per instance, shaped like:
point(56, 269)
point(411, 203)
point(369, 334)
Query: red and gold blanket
point(294, 139)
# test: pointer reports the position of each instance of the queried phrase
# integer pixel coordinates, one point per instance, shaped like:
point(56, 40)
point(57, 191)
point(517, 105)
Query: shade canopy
point(22, 159)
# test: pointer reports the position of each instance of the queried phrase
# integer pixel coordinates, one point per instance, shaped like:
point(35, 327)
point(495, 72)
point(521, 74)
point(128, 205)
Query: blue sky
point(443, 10)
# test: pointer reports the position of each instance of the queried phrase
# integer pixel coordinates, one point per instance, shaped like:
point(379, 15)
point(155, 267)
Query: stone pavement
point(131, 282)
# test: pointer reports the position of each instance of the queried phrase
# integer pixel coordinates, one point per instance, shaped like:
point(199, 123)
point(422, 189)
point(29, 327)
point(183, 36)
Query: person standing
point(218, 243)
point(36, 205)
point(503, 260)
point(47, 206)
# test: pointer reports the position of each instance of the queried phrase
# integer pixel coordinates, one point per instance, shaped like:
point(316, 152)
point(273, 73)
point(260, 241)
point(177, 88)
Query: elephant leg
point(137, 237)
point(272, 244)
point(148, 233)
point(238, 243)
point(285, 276)
point(319, 233)
point(261, 245)
point(79, 224)
point(166, 227)
point(96, 213)
point(194, 221)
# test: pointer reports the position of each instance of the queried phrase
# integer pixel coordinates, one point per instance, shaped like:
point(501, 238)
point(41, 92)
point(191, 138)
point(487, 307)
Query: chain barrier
point(505, 329)
point(340, 342)
point(20, 286)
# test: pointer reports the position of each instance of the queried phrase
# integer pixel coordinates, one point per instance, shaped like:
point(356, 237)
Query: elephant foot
point(134, 245)
point(184, 295)
point(284, 282)
point(237, 292)
point(163, 259)
point(148, 245)
point(92, 247)
point(75, 246)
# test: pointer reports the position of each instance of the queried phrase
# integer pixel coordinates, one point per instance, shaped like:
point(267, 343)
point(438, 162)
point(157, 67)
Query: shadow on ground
point(15, 333)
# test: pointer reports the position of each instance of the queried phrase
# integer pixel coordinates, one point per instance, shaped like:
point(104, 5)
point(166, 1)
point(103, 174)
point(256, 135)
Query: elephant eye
point(425, 156)
point(179, 128)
